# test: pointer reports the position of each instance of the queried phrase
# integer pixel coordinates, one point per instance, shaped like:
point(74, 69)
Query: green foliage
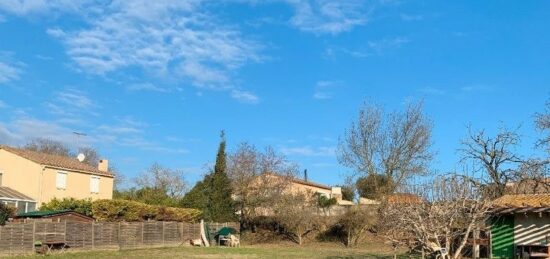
point(124, 210)
point(196, 197)
point(147, 195)
point(374, 186)
point(348, 193)
point(6, 212)
point(81, 206)
point(324, 202)
point(220, 204)
point(212, 195)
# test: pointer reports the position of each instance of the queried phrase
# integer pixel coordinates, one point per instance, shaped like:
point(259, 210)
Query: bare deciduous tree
point(48, 146)
point(542, 123)
point(395, 144)
point(451, 208)
point(297, 214)
point(494, 156)
point(91, 156)
point(166, 180)
point(355, 222)
point(258, 179)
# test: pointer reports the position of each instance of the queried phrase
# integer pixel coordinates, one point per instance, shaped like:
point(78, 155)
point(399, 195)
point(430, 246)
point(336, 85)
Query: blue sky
point(155, 81)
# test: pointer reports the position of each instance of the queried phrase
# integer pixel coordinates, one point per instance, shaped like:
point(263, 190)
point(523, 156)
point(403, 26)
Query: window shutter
point(94, 184)
point(61, 180)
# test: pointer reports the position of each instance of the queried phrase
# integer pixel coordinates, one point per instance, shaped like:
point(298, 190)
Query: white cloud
point(245, 97)
point(23, 129)
point(372, 48)
point(309, 151)
point(8, 72)
point(72, 106)
point(381, 45)
point(323, 89)
point(167, 38)
point(147, 87)
point(328, 16)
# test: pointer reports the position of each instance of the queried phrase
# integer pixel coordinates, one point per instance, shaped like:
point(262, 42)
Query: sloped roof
point(303, 182)
point(523, 200)
point(6, 192)
point(55, 161)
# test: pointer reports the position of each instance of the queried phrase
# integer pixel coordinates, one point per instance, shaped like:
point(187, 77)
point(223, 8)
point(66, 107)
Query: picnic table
point(47, 247)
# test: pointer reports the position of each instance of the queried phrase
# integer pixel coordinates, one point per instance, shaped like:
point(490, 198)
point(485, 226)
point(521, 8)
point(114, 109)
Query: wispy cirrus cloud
point(32, 7)
point(169, 38)
point(308, 151)
point(330, 17)
point(147, 87)
point(173, 40)
point(323, 89)
point(72, 106)
point(9, 70)
point(245, 97)
point(370, 49)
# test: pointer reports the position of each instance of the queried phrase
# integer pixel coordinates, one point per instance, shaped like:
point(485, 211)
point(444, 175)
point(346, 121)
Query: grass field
point(263, 251)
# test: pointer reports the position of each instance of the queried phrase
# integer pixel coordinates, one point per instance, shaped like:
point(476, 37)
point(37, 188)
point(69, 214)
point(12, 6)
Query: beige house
point(41, 177)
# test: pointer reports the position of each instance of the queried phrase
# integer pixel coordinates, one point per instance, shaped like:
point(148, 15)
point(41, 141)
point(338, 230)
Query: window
point(0, 178)
point(94, 184)
point(61, 180)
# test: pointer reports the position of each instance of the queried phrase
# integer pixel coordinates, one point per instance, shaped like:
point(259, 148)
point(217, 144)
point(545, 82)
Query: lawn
point(264, 251)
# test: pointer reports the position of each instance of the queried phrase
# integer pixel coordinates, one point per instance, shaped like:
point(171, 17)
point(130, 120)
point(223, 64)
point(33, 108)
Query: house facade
point(43, 177)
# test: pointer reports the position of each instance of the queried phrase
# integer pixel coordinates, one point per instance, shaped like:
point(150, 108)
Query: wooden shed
point(521, 226)
point(53, 216)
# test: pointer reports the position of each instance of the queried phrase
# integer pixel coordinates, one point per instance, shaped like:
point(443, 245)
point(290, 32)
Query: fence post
point(118, 236)
point(33, 234)
point(65, 236)
point(142, 233)
point(163, 233)
point(93, 236)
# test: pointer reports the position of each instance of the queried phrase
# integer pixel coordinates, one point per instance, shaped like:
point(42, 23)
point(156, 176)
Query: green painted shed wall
point(502, 235)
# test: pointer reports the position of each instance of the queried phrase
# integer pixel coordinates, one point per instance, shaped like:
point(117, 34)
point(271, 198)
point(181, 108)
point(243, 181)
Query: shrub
point(6, 212)
point(124, 210)
point(81, 206)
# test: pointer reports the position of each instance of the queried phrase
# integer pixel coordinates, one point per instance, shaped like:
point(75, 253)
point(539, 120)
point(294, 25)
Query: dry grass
point(314, 250)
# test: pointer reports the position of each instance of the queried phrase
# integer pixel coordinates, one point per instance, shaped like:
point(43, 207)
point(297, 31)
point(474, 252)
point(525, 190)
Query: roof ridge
point(56, 161)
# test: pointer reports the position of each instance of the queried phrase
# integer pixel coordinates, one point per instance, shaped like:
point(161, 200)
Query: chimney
point(103, 165)
point(305, 175)
point(336, 192)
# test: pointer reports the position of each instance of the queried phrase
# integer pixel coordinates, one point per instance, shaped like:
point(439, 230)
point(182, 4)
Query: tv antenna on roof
point(80, 156)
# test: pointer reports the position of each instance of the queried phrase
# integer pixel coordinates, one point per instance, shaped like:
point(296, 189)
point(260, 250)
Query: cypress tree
point(220, 204)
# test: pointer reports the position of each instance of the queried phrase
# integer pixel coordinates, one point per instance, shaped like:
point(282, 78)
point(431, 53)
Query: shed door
point(502, 237)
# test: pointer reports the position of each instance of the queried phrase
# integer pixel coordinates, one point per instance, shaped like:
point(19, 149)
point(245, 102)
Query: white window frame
point(58, 185)
point(94, 189)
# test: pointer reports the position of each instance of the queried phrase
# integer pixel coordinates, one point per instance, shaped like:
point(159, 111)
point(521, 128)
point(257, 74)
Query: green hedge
point(123, 210)
point(82, 206)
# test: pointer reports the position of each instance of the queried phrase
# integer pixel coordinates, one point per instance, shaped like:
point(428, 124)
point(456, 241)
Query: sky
point(156, 81)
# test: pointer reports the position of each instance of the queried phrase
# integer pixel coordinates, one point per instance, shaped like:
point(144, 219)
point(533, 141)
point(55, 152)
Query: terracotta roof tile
point(55, 161)
point(523, 200)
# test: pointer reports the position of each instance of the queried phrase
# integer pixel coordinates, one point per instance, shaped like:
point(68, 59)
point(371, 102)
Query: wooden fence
point(19, 238)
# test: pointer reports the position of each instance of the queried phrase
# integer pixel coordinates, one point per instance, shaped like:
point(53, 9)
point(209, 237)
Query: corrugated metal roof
point(55, 161)
point(6, 192)
point(45, 213)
